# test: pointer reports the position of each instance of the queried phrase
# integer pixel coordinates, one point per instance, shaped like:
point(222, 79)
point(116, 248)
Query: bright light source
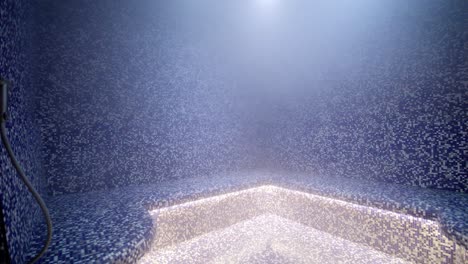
point(266, 11)
point(267, 3)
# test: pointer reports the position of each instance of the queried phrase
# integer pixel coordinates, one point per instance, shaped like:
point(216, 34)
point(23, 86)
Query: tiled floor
point(268, 239)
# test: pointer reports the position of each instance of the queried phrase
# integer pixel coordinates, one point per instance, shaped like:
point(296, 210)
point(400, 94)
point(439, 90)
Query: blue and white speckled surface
point(16, 65)
point(268, 239)
point(110, 225)
point(148, 92)
point(131, 94)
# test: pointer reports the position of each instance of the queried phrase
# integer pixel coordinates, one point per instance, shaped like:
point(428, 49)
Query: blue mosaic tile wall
point(4, 255)
point(138, 93)
point(130, 96)
point(393, 110)
point(20, 211)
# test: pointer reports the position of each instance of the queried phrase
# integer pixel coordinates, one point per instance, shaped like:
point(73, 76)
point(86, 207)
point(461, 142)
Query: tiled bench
point(115, 226)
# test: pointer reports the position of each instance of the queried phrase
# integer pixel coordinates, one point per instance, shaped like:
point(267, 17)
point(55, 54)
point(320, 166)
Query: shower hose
point(22, 176)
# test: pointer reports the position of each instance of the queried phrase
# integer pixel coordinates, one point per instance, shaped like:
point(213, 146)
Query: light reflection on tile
point(414, 239)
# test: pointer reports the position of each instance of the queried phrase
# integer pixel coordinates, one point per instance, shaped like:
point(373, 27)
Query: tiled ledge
point(114, 226)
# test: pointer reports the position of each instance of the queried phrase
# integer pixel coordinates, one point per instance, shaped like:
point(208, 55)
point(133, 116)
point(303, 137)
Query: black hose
point(31, 189)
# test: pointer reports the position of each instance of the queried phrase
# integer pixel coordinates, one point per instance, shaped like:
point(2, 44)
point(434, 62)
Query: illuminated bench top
point(115, 225)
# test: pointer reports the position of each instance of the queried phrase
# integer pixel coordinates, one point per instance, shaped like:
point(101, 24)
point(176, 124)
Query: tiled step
point(268, 239)
point(411, 238)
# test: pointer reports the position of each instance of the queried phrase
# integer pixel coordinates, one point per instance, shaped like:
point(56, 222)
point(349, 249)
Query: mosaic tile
point(268, 239)
point(16, 51)
point(182, 97)
point(132, 95)
point(414, 239)
point(121, 216)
